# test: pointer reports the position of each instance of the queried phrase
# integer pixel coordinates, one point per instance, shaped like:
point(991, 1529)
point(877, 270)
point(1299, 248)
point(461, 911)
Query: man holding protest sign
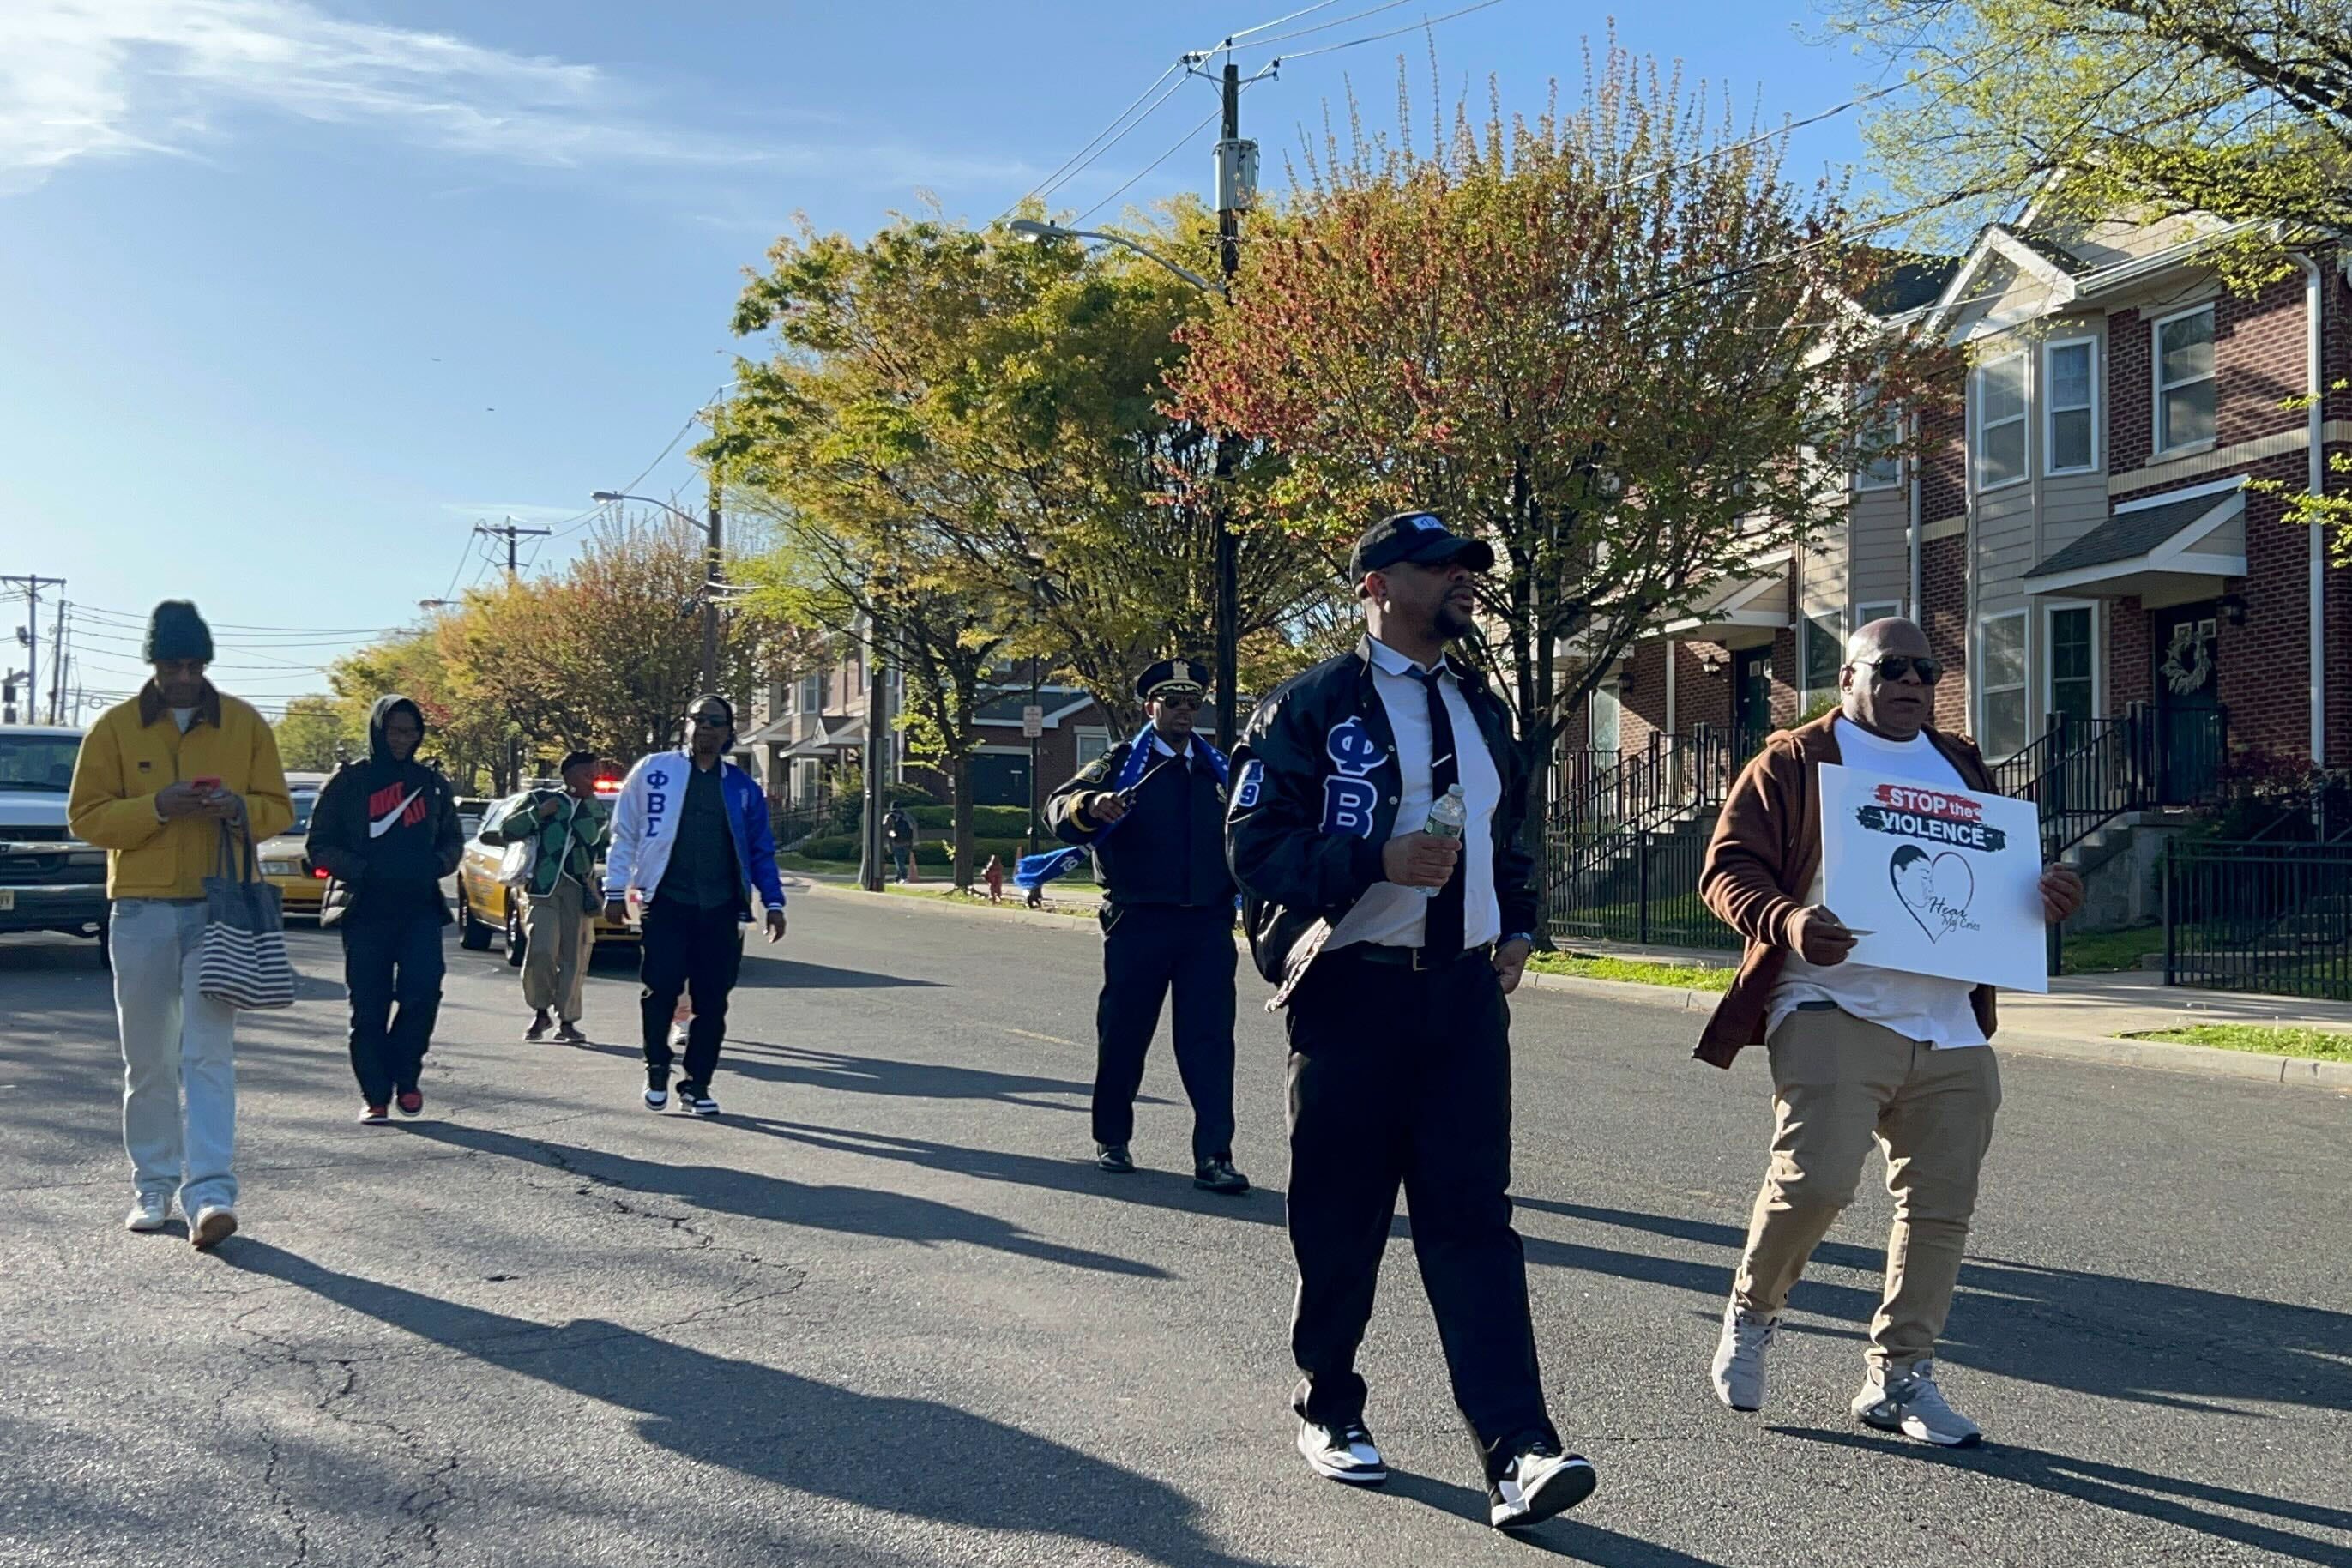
point(1877, 1032)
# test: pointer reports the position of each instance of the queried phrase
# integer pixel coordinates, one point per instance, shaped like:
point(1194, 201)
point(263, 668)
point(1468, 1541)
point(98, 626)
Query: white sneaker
point(214, 1224)
point(1344, 1452)
point(1740, 1356)
point(1542, 1481)
point(149, 1211)
point(1896, 1399)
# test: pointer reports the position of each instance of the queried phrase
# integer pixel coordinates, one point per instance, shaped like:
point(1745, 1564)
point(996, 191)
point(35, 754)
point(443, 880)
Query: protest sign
point(1945, 881)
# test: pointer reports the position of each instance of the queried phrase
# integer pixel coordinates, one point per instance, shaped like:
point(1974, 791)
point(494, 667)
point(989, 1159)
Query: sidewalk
point(2082, 1017)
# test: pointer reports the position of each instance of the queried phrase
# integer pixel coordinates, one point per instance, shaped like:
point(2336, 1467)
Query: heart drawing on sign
point(1936, 890)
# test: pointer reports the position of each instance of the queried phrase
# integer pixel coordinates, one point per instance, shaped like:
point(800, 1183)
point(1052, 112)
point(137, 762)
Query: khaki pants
point(1838, 1085)
point(557, 942)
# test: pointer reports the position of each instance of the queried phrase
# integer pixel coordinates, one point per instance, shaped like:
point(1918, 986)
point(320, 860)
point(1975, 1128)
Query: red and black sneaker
point(374, 1115)
point(411, 1102)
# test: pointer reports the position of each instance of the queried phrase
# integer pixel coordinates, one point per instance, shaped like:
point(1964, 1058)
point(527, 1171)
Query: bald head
point(1887, 684)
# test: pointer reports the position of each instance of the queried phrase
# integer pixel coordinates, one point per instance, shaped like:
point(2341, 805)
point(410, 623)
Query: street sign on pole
point(1033, 721)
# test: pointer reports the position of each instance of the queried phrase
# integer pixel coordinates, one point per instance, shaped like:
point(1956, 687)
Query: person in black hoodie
point(386, 831)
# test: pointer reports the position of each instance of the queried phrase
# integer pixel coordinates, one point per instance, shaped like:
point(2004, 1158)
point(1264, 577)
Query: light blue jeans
point(176, 1042)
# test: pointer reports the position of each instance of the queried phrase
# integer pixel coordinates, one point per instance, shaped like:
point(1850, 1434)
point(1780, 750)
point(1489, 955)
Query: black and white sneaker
point(657, 1091)
point(695, 1101)
point(1343, 1452)
point(1113, 1158)
point(1542, 1481)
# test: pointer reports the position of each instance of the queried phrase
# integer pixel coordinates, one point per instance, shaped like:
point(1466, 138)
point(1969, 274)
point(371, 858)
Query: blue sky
point(293, 292)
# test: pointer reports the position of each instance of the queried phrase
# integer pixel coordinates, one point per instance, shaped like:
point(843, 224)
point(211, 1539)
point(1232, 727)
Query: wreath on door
point(2189, 659)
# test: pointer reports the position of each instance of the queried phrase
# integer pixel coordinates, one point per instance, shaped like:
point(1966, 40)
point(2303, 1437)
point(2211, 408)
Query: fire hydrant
point(994, 877)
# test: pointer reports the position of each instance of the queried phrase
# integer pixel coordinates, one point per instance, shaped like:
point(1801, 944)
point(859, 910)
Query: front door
point(1751, 698)
point(2188, 701)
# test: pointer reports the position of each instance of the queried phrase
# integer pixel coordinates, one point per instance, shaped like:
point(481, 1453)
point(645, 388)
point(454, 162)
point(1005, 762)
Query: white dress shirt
point(1390, 915)
point(1925, 1007)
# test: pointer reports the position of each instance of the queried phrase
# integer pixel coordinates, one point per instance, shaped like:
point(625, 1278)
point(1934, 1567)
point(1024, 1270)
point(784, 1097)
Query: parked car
point(286, 860)
point(488, 908)
point(49, 881)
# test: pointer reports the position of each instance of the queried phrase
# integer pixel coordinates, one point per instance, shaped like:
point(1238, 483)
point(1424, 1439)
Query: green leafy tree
point(313, 736)
point(2242, 109)
point(1614, 342)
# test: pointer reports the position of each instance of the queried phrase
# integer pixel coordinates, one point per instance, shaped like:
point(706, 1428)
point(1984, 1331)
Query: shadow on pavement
point(1563, 1536)
point(1169, 1189)
point(885, 1075)
point(2125, 1339)
point(2126, 1491)
point(856, 1211)
point(762, 973)
point(775, 1426)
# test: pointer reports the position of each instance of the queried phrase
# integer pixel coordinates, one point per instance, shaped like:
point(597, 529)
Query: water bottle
point(1449, 817)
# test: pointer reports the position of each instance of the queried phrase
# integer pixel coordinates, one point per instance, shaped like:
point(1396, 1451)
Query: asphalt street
point(883, 1311)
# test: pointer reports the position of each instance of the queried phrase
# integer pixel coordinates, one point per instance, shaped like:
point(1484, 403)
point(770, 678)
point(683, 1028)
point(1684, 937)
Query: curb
point(2154, 1056)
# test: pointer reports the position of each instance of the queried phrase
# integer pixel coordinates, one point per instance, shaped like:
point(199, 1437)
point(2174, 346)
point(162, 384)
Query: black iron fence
point(828, 811)
point(1645, 891)
point(2253, 916)
point(2083, 773)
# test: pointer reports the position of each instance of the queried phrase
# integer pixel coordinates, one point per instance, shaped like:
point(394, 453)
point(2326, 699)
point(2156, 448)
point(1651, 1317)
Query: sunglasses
point(1178, 700)
point(1895, 665)
point(712, 720)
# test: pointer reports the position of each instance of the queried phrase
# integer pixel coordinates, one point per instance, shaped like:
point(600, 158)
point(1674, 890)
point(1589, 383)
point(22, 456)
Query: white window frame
point(2051, 610)
point(1979, 429)
point(2050, 410)
point(1806, 631)
point(2160, 386)
point(1613, 694)
point(1088, 735)
point(1876, 611)
point(1891, 418)
point(2023, 688)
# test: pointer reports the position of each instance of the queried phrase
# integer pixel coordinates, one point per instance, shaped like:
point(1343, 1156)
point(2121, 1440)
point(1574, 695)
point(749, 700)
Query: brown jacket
point(1761, 862)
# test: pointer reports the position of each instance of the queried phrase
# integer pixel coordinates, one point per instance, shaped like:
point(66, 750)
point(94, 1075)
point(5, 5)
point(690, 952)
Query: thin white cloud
point(84, 78)
point(528, 513)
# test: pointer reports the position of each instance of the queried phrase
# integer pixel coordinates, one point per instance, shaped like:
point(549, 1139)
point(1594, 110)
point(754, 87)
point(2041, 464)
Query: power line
point(1060, 176)
point(1393, 32)
point(1317, 27)
point(1174, 148)
point(1293, 17)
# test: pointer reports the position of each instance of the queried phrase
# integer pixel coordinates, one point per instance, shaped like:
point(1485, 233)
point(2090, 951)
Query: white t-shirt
point(184, 717)
point(1917, 1007)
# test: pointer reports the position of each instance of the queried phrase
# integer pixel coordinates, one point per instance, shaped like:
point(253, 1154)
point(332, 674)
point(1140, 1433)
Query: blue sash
point(1036, 870)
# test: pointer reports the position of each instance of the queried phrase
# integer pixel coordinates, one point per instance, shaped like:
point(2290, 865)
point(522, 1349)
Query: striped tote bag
point(242, 961)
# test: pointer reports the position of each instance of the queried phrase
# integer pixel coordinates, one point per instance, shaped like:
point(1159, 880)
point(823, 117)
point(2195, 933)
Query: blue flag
point(1036, 870)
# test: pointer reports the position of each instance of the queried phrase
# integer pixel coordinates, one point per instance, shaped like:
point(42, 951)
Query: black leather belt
point(1412, 958)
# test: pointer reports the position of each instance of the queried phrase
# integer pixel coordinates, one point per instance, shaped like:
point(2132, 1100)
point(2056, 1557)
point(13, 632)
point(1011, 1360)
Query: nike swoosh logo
point(384, 824)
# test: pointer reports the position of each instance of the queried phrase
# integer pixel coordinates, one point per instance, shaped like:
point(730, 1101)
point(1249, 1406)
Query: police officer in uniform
point(1152, 811)
point(1393, 949)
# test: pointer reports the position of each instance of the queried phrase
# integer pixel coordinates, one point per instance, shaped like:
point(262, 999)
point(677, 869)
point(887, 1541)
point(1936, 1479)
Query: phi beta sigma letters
point(1945, 881)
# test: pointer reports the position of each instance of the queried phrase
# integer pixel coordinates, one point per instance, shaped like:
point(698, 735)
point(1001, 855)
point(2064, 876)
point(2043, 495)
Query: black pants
point(392, 968)
point(1404, 1077)
point(1149, 949)
point(690, 950)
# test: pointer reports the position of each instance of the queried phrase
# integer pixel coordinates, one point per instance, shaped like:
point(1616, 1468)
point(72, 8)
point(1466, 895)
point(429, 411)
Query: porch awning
point(2165, 550)
point(1743, 612)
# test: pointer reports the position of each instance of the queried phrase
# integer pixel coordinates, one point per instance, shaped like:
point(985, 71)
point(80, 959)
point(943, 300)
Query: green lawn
point(2107, 951)
point(1014, 898)
point(1683, 976)
point(2327, 1044)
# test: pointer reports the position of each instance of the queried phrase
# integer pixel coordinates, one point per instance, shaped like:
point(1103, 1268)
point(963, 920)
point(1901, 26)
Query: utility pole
point(872, 855)
point(513, 533)
point(58, 667)
point(31, 634)
point(710, 582)
point(1236, 175)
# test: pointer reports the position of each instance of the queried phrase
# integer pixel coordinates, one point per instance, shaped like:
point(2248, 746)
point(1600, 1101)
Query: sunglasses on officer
point(711, 719)
point(1897, 665)
point(1178, 699)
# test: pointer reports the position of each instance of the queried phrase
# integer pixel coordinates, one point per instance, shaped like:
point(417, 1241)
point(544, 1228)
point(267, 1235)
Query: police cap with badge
point(1419, 537)
point(1172, 678)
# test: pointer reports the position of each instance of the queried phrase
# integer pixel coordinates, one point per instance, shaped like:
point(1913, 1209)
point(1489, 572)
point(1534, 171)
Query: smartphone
point(209, 785)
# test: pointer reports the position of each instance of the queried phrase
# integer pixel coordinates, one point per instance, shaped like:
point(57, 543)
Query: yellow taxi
point(488, 908)
point(286, 859)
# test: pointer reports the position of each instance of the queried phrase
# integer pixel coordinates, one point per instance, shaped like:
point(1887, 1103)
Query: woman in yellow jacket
point(157, 777)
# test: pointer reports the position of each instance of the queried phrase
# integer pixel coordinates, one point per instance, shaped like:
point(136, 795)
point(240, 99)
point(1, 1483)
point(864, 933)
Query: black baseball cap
point(1420, 537)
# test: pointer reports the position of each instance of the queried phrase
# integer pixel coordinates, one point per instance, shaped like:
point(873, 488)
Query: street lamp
point(710, 583)
point(1030, 228)
point(1228, 555)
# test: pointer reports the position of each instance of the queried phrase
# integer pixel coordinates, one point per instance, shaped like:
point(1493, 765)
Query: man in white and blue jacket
point(690, 834)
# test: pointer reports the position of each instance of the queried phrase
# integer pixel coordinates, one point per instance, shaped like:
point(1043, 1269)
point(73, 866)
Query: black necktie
point(1441, 937)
